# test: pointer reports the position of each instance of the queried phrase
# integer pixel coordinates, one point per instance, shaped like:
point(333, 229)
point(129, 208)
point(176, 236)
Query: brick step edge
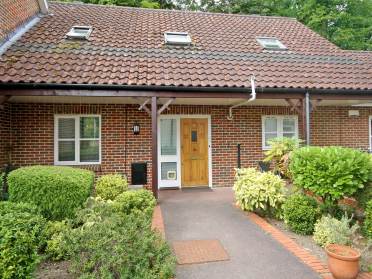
point(305, 256)
point(157, 221)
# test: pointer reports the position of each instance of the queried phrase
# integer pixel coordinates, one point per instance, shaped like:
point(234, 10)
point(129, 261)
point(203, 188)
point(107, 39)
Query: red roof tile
point(127, 47)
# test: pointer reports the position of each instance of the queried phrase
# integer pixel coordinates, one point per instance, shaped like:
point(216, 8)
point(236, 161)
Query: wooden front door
point(194, 152)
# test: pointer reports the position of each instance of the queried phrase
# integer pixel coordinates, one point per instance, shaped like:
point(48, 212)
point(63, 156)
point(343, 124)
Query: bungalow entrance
point(184, 151)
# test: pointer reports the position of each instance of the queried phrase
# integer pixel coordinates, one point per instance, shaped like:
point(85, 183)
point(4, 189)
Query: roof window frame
point(75, 34)
point(168, 41)
point(280, 45)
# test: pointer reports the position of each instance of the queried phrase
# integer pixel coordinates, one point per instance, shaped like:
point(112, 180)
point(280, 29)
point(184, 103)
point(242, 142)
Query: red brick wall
point(4, 134)
point(32, 134)
point(14, 13)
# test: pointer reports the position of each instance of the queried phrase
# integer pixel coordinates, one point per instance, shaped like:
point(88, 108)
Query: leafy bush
point(367, 225)
point(329, 230)
point(56, 245)
point(363, 196)
point(263, 193)
point(21, 236)
point(111, 244)
point(110, 186)
point(331, 172)
point(1, 186)
point(300, 213)
point(138, 200)
point(280, 149)
point(57, 191)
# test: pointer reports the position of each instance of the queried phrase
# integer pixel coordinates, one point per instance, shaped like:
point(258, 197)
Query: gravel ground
point(307, 242)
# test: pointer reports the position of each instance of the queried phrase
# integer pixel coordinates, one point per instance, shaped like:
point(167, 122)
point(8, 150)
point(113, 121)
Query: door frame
point(178, 121)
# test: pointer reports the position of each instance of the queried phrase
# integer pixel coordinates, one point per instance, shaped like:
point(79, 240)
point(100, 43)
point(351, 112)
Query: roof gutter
point(65, 86)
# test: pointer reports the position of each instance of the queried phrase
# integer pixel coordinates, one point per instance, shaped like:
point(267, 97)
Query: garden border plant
point(57, 191)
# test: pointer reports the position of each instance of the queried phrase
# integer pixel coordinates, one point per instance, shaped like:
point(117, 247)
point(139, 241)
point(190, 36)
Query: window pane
point(89, 127)
point(66, 151)
point(89, 151)
point(169, 171)
point(288, 125)
point(271, 125)
point(168, 137)
point(289, 135)
point(66, 128)
point(269, 137)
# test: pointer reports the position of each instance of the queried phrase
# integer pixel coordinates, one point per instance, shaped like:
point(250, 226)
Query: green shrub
point(21, 236)
point(111, 244)
point(363, 196)
point(57, 191)
point(138, 200)
point(110, 186)
point(329, 230)
point(331, 172)
point(367, 224)
point(300, 213)
point(263, 193)
point(56, 246)
point(2, 175)
point(279, 153)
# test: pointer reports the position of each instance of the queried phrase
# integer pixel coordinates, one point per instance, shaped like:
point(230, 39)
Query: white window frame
point(183, 38)
point(79, 32)
point(262, 42)
point(77, 139)
point(279, 119)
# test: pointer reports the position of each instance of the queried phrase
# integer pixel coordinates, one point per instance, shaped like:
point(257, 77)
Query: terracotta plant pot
point(343, 261)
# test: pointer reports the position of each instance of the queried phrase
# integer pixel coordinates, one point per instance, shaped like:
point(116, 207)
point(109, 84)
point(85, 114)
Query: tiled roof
point(127, 47)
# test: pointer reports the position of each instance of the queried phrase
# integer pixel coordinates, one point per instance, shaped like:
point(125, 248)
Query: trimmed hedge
point(331, 172)
point(300, 213)
point(21, 236)
point(109, 186)
point(57, 191)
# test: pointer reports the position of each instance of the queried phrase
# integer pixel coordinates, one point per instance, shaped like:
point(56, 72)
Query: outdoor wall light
point(136, 128)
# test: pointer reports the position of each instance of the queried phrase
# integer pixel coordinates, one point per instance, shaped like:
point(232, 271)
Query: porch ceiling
point(178, 101)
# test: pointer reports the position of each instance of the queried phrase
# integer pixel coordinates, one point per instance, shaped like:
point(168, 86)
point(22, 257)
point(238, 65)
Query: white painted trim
point(77, 139)
point(18, 33)
point(179, 117)
point(279, 127)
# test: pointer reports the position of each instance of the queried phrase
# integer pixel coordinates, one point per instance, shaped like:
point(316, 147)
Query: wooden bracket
point(295, 106)
point(3, 100)
point(314, 104)
point(166, 105)
point(144, 107)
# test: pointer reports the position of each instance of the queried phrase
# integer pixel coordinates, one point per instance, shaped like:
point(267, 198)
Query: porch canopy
point(155, 101)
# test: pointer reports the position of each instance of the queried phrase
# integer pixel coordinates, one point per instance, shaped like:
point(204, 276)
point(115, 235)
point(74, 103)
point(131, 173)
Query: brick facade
point(4, 134)
point(32, 139)
point(13, 13)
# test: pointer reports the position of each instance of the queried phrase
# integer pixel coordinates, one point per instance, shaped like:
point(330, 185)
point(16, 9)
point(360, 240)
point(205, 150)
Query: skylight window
point(271, 43)
point(79, 32)
point(177, 38)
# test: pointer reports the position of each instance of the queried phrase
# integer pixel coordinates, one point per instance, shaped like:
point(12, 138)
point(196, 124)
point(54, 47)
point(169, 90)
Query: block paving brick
point(302, 254)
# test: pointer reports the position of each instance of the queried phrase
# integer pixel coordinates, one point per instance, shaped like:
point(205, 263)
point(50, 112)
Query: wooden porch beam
point(145, 94)
point(154, 140)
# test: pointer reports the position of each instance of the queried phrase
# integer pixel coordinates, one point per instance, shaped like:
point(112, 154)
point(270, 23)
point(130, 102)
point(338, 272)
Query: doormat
point(199, 251)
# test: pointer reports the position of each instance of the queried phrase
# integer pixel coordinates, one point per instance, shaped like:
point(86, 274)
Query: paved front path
point(209, 214)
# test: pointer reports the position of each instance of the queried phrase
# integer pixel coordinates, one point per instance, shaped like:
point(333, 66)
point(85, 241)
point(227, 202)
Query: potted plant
point(343, 261)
